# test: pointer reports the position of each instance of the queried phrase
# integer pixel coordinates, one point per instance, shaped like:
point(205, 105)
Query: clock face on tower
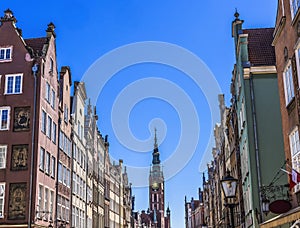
point(155, 186)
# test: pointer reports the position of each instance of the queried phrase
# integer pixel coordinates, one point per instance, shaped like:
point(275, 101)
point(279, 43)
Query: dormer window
point(5, 54)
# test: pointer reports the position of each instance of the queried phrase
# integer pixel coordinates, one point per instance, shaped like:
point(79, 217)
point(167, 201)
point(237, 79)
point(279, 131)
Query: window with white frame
point(4, 118)
point(5, 54)
point(51, 201)
point(40, 199)
point(297, 54)
point(46, 202)
point(2, 199)
point(288, 84)
point(294, 7)
point(295, 149)
point(13, 83)
point(3, 149)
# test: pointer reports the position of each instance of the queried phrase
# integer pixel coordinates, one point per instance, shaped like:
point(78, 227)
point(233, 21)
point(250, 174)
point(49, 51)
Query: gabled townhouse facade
point(53, 159)
point(259, 120)
point(79, 155)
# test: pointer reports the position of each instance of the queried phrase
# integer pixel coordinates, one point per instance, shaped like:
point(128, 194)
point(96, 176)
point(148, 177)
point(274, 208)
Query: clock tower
point(157, 189)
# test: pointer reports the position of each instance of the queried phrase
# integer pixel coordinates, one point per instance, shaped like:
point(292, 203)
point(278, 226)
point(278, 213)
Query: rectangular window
point(66, 113)
point(47, 162)
point(49, 127)
point(68, 178)
point(51, 67)
point(294, 7)
point(44, 121)
point(42, 159)
point(288, 84)
point(53, 166)
point(51, 201)
point(74, 185)
point(61, 140)
point(53, 98)
point(46, 202)
point(294, 142)
point(64, 175)
point(13, 84)
point(60, 174)
point(54, 127)
point(5, 54)
point(2, 198)
point(47, 92)
point(40, 203)
point(3, 150)
point(58, 207)
point(73, 217)
point(4, 118)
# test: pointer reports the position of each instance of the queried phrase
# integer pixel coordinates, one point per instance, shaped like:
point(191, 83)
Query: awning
point(285, 218)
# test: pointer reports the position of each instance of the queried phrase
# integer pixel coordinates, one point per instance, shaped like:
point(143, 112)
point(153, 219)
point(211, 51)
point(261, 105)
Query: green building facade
point(256, 99)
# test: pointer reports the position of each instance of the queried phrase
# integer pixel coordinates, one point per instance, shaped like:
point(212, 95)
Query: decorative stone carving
point(22, 119)
point(19, 157)
point(17, 201)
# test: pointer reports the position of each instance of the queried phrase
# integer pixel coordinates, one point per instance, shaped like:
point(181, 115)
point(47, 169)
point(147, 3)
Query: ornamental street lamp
point(229, 187)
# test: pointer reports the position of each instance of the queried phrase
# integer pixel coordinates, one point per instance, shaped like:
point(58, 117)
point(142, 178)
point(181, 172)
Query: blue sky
point(87, 30)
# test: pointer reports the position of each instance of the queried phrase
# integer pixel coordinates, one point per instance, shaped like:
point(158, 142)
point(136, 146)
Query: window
point(3, 150)
point(294, 7)
point(51, 65)
point(49, 127)
point(42, 157)
point(51, 204)
point(288, 84)
point(294, 142)
point(52, 98)
point(47, 163)
point(2, 198)
point(13, 84)
point(44, 121)
point(66, 113)
point(5, 54)
point(47, 92)
point(60, 174)
point(54, 132)
point(53, 167)
point(46, 202)
point(295, 149)
point(40, 202)
point(4, 118)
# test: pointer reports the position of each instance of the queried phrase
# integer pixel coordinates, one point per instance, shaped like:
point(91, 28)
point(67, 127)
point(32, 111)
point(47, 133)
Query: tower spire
point(155, 154)
point(155, 139)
